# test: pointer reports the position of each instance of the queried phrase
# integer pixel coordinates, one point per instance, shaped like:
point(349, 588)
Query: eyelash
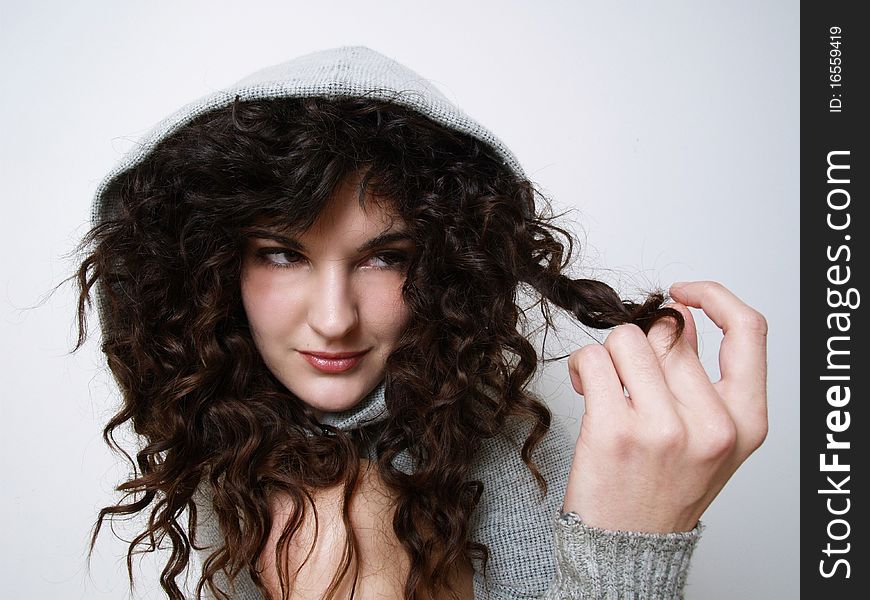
point(394, 259)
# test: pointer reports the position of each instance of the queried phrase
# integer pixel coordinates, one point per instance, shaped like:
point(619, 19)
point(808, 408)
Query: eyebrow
point(382, 239)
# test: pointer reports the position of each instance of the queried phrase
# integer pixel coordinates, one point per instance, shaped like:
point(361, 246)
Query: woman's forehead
point(343, 220)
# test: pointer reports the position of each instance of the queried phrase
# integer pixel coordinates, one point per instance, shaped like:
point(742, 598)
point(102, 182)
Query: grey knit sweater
point(535, 550)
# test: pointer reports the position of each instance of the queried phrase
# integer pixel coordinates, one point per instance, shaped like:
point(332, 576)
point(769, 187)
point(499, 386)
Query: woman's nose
point(333, 310)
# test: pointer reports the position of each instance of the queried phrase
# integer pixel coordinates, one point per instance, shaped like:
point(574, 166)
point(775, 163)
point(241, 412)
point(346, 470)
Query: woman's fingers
point(594, 376)
point(638, 369)
point(625, 360)
point(658, 379)
point(690, 331)
point(742, 356)
point(655, 461)
point(662, 332)
point(743, 352)
point(709, 421)
point(683, 371)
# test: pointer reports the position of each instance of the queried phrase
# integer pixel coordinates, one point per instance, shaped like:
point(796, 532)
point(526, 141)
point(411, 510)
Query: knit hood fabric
point(371, 409)
point(348, 71)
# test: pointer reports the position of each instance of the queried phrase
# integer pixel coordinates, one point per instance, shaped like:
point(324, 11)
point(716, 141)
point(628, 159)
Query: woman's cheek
point(391, 308)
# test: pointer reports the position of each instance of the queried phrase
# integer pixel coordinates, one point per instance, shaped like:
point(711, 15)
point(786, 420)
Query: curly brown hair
point(166, 261)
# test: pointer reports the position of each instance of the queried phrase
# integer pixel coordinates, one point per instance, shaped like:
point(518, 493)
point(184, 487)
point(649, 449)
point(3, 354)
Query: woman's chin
point(334, 399)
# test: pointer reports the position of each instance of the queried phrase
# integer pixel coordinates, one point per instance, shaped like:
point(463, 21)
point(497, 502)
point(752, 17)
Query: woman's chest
point(317, 554)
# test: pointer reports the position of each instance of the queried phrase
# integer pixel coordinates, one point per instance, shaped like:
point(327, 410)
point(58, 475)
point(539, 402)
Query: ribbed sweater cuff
point(598, 564)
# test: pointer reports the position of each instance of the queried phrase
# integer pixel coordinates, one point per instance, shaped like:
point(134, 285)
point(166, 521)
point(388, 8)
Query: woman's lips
point(332, 364)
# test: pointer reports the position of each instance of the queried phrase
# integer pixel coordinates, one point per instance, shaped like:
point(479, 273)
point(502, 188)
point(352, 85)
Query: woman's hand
point(653, 459)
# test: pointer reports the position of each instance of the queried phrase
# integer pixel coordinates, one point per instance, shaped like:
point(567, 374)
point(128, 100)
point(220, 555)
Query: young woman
point(308, 286)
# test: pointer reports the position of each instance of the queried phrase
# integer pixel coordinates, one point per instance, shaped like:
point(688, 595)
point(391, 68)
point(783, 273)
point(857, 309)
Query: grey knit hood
point(348, 71)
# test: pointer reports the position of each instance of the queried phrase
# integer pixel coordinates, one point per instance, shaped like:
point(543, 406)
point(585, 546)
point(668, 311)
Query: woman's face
point(333, 291)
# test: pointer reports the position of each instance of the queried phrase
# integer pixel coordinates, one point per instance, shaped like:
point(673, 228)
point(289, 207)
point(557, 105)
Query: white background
point(670, 128)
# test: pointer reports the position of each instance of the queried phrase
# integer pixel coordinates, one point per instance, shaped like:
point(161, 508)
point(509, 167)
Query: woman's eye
point(282, 259)
point(277, 257)
point(389, 260)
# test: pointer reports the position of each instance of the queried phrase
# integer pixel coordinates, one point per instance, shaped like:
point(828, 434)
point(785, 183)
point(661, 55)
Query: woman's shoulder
point(514, 518)
point(207, 539)
point(501, 456)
